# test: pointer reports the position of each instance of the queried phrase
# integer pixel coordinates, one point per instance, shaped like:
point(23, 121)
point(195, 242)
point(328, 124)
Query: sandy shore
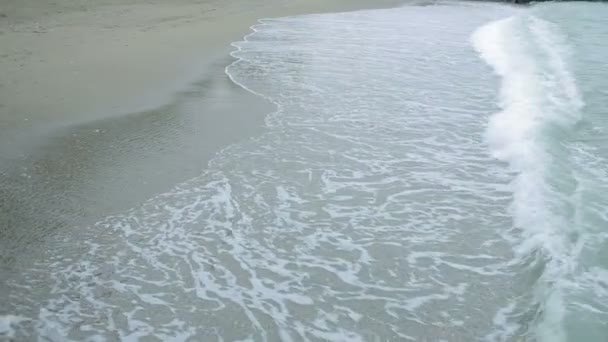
point(75, 60)
point(104, 103)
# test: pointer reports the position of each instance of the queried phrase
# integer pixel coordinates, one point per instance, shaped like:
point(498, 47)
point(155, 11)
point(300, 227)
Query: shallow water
point(430, 173)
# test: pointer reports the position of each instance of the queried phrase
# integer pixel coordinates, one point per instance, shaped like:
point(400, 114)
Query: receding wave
point(370, 209)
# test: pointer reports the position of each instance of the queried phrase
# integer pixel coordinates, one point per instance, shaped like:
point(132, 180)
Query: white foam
point(537, 95)
point(8, 325)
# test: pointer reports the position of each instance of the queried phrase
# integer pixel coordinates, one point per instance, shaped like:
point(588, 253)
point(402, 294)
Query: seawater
point(431, 173)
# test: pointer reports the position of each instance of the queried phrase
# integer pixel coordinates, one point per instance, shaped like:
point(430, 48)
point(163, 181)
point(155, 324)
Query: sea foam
point(540, 104)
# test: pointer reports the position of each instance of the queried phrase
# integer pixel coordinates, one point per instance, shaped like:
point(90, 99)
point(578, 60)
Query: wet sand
point(105, 103)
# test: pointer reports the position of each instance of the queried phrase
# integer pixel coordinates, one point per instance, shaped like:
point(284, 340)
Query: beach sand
point(73, 61)
point(105, 103)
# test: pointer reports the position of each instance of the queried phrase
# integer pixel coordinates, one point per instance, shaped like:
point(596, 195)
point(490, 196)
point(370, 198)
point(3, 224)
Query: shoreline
point(71, 154)
point(91, 62)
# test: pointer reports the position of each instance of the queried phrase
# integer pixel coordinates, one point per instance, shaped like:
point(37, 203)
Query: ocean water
point(431, 173)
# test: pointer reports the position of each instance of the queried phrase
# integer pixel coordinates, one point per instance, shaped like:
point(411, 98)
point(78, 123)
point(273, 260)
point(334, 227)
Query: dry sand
point(72, 61)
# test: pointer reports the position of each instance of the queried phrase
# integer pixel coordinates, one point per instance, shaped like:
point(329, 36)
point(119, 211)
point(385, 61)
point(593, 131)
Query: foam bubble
point(8, 325)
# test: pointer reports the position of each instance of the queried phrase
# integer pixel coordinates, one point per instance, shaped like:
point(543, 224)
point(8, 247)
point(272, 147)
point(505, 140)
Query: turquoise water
point(431, 173)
